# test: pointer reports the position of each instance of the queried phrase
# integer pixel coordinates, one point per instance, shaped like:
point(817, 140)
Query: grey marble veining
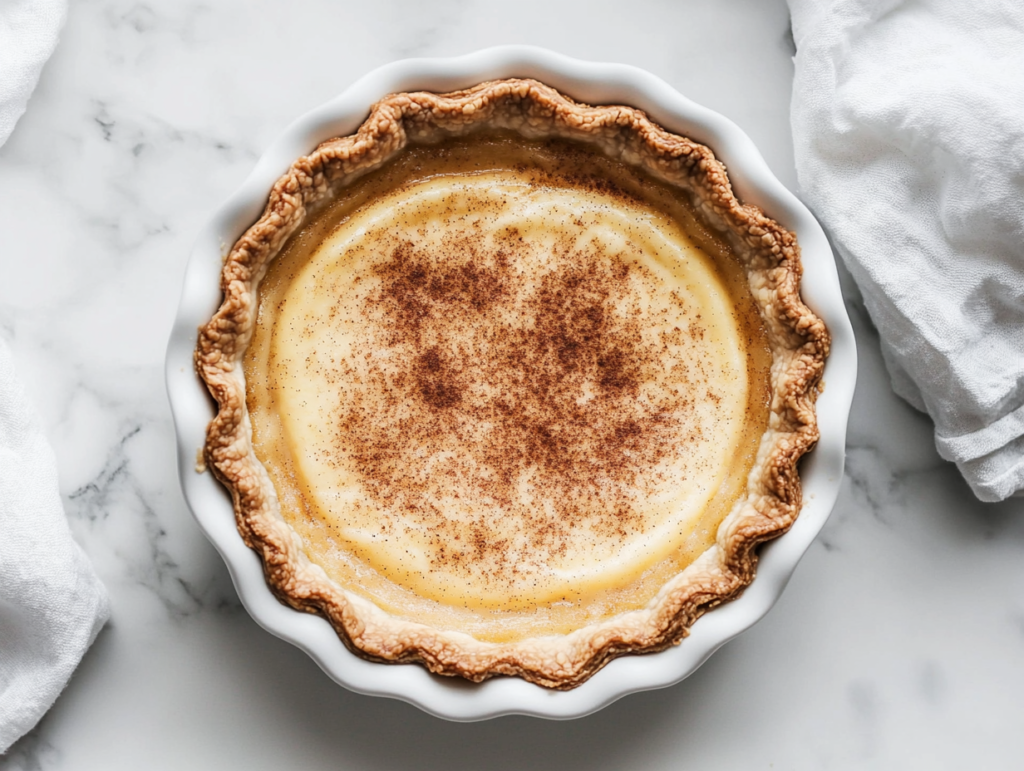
point(898, 644)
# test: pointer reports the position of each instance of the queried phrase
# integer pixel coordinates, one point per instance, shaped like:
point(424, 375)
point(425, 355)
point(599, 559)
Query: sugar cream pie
point(509, 384)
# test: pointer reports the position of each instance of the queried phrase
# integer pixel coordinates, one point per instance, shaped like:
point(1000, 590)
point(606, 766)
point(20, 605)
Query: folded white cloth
point(28, 35)
point(908, 124)
point(52, 605)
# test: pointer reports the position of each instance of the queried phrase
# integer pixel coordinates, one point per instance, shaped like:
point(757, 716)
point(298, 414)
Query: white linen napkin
point(52, 605)
point(908, 125)
point(28, 35)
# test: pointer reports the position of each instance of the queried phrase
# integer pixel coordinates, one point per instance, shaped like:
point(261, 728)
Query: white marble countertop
point(898, 644)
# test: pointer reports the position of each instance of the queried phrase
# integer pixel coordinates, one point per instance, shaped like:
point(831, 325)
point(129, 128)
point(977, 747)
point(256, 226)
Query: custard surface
point(506, 387)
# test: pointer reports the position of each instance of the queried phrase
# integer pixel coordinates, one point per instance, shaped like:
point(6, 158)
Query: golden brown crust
point(798, 339)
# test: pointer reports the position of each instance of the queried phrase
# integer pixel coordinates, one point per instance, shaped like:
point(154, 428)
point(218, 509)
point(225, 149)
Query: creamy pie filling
point(507, 387)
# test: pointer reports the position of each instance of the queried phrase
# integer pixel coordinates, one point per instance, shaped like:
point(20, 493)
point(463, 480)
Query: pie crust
point(798, 340)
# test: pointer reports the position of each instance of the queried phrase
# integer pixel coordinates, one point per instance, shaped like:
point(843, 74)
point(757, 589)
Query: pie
point(509, 384)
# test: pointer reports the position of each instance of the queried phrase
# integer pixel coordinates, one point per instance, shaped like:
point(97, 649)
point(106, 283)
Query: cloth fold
point(52, 605)
point(28, 35)
point(908, 125)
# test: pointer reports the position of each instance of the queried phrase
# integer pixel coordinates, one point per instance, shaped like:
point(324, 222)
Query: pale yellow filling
point(381, 419)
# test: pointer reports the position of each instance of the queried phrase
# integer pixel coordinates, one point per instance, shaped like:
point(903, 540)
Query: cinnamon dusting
point(525, 395)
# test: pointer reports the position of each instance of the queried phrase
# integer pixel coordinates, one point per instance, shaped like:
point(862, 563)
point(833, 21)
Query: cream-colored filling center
point(502, 397)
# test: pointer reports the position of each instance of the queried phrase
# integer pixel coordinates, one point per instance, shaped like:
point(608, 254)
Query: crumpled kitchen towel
point(52, 605)
point(908, 124)
point(28, 35)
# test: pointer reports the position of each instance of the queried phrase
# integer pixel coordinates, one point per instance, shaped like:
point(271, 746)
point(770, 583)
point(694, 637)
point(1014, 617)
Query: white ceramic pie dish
point(455, 699)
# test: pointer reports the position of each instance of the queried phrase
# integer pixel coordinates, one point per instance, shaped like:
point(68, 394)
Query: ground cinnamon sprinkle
point(523, 397)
